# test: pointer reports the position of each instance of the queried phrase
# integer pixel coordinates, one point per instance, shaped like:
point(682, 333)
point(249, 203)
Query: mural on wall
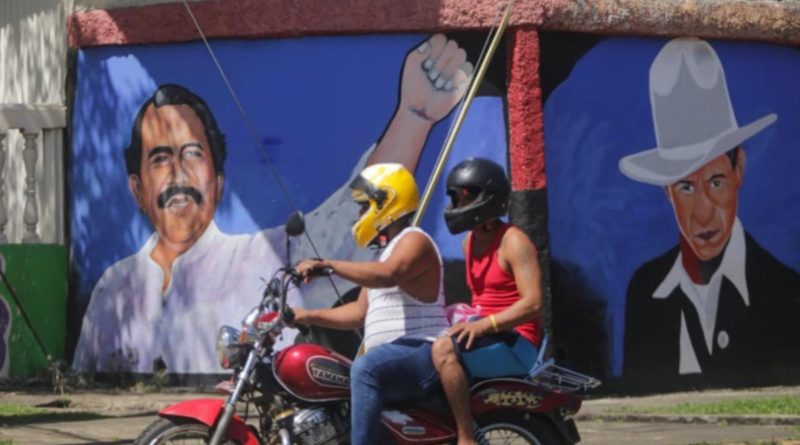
point(177, 239)
point(672, 207)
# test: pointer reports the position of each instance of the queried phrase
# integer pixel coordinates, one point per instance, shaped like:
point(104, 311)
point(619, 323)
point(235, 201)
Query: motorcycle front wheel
point(176, 432)
point(514, 429)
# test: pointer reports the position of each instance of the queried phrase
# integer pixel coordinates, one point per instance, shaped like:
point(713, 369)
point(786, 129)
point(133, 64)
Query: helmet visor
point(462, 196)
point(363, 190)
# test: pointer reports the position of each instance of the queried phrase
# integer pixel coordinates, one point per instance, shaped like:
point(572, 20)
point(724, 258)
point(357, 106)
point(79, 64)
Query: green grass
point(14, 409)
point(6, 442)
point(778, 405)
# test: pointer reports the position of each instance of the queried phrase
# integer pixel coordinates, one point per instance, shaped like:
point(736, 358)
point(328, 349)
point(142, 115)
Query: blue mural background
point(607, 225)
point(316, 105)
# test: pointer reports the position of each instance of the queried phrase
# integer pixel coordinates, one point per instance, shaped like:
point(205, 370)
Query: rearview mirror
point(295, 225)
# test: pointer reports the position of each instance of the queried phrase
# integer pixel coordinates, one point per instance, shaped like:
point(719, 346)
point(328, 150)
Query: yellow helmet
point(387, 192)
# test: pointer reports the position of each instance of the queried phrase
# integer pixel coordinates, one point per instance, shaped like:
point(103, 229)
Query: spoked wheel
point(176, 432)
point(510, 429)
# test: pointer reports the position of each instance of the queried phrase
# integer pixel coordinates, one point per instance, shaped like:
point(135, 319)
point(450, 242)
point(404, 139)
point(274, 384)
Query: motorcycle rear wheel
point(514, 429)
point(176, 432)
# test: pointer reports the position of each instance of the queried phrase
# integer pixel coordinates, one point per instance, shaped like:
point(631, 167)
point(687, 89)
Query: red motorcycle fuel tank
point(311, 372)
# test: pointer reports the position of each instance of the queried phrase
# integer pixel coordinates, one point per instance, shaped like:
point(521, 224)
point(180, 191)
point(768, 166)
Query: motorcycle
point(302, 393)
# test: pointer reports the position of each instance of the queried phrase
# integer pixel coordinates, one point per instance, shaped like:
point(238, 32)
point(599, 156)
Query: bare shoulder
point(414, 241)
point(515, 238)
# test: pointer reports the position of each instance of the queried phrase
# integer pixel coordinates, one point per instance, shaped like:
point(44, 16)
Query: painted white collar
point(732, 267)
point(198, 248)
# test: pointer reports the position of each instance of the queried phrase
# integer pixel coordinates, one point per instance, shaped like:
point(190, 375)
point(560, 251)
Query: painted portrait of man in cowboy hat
point(717, 306)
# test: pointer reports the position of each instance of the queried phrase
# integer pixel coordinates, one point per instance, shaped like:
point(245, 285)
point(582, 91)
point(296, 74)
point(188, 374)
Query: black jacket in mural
point(763, 339)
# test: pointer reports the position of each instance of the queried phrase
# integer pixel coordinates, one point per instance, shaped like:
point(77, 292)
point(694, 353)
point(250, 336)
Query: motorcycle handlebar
point(288, 316)
point(279, 287)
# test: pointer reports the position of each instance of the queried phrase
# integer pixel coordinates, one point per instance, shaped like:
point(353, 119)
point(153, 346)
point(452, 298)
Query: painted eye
point(160, 159)
point(194, 153)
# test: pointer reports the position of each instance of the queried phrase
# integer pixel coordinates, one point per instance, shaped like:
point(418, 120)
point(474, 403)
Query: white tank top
point(392, 313)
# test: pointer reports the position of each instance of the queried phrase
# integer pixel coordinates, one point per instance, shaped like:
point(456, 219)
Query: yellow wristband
point(494, 323)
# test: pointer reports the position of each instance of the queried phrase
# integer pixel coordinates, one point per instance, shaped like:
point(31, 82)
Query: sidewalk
point(116, 417)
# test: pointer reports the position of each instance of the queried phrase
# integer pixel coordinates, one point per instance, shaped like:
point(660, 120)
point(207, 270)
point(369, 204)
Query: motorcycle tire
point(168, 431)
point(504, 428)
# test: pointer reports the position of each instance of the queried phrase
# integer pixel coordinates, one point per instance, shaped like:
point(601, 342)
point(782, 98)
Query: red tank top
point(494, 289)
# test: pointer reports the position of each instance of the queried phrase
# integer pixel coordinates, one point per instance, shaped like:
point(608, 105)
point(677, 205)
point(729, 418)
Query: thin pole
point(462, 112)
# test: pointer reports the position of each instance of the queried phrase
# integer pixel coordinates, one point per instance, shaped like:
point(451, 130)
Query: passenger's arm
point(519, 255)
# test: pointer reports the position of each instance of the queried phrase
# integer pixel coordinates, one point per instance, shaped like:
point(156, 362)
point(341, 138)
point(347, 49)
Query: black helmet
point(487, 182)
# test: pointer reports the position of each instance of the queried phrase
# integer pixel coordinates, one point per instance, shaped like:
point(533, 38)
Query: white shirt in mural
point(705, 297)
point(130, 324)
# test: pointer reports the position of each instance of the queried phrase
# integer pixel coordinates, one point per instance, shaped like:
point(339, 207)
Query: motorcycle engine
point(320, 426)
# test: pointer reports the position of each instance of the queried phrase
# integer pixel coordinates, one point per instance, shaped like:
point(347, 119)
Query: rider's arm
point(347, 316)
point(412, 257)
point(519, 257)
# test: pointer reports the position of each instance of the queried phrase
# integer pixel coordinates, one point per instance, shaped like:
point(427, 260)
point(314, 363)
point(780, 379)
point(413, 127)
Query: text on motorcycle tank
point(327, 372)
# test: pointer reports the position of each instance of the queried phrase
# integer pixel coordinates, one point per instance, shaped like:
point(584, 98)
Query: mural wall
point(673, 203)
point(38, 277)
point(178, 199)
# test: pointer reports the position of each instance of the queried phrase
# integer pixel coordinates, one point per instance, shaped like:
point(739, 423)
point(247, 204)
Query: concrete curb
point(690, 419)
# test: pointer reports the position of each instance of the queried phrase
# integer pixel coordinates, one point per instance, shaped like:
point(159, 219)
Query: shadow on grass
point(116, 442)
point(50, 417)
point(56, 417)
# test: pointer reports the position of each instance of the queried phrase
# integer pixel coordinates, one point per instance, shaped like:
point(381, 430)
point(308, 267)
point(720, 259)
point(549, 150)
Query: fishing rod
point(462, 112)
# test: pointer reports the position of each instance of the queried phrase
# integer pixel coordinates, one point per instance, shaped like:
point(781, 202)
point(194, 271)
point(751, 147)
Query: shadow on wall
point(580, 337)
point(87, 186)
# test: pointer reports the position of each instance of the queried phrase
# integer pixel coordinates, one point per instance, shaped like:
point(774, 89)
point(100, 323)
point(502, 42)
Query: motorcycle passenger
point(504, 278)
point(401, 304)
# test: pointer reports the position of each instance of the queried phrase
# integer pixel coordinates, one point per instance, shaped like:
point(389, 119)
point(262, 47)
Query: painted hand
point(436, 75)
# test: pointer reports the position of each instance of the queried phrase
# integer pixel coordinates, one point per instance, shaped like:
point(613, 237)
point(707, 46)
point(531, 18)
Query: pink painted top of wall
point(258, 18)
point(770, 20)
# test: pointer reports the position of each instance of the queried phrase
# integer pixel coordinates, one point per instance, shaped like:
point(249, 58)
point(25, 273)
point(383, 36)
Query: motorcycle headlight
point(230, 353)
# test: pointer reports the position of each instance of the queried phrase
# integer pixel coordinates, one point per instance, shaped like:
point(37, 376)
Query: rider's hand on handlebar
point(312, 268)
point(296, 317)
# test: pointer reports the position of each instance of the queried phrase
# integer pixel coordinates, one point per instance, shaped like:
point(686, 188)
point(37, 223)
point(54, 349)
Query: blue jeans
point(394, 372)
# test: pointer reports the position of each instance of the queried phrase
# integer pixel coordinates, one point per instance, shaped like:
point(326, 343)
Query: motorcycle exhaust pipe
point(284, 435)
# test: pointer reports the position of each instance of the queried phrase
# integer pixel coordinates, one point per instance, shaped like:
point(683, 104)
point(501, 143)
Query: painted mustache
point(173, 190)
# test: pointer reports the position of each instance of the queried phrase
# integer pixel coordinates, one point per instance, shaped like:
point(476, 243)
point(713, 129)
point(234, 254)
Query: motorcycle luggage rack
point(559, 378)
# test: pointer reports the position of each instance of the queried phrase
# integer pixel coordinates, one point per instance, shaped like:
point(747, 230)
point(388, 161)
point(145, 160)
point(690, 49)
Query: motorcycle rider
point(504, 278)
point(401, 304)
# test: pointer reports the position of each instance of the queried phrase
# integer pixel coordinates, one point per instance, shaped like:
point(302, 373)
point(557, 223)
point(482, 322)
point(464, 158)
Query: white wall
point(33, 51)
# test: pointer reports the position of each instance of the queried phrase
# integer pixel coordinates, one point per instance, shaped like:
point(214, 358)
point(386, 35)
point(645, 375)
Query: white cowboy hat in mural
point(692, 114)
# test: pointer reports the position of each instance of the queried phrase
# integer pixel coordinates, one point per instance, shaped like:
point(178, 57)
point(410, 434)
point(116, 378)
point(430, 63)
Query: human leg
point(396, 372)
point(456, 387)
